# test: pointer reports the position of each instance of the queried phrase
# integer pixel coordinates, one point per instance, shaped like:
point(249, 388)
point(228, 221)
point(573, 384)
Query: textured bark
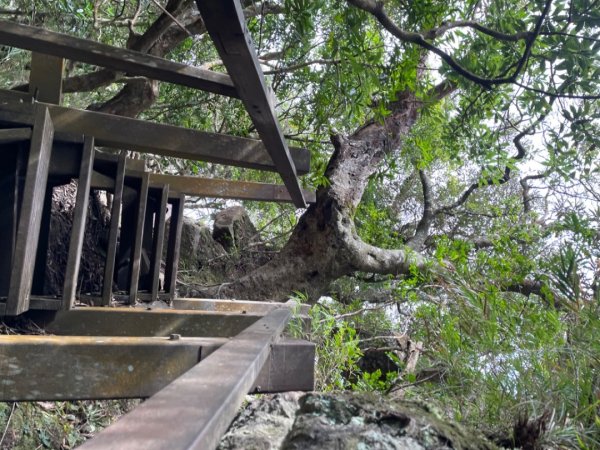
point(325, 245)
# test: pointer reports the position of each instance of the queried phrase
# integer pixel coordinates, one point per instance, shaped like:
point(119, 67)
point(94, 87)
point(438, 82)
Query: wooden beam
point(115, 217)
point(30, 214)
point(10, 192)
point(239, 306)
point(120, 59)
point(147, 137)
point(99, 321)
point(45, 78)
point(137, 245)
point(11, 135)
point(174, 244)
point(79, 220)
point(158, 239)
point(195, 410)
point(239, 190)
point(36, 368)
point(225, 22)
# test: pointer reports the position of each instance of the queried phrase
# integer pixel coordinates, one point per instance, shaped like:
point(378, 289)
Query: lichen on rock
point(345, 421)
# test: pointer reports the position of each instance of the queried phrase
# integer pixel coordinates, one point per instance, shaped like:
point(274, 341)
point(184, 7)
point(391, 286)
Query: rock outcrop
point(317, 421)
point(233, 229)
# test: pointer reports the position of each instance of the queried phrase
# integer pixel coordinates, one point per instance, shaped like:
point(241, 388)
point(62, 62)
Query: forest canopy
point(455, 153)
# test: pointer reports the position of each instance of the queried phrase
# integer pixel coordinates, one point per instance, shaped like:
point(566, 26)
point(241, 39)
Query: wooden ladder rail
point(30, 216)
point(195, 410)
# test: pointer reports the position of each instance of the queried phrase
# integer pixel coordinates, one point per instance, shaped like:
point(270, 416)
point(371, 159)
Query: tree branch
point(521, 152)
point(376, 9)
point(422, 231)
point(526, 190)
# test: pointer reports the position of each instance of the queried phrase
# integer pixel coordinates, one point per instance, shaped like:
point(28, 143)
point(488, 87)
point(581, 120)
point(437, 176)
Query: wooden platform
point(196, 359)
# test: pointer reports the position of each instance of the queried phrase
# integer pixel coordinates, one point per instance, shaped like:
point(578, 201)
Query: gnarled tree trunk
point(325, 246)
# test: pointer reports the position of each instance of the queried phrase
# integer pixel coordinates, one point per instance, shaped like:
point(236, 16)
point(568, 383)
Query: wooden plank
point(195, 410)
point(30, 214)
point(36, 368)
point(9, 215)
point(158, 240)
point(217, 188)
point(172, 261)
point(137, 246)
point(239, 306)
point(120, 59)
point(45, 78)
point(41, 255)
point(291, 367)
point(115, 217)
point(79, 220)
point(225, 22)
point(10, 135)
point(125, 321)
point(45, 303)
point(147, 137)
point(9, 96)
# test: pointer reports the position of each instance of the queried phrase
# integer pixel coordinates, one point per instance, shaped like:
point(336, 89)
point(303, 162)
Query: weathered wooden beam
point(115, 218)
point(99, 321)
point(30, 214)
point(79, 220)
point(41, 255)
point(194, 410)
point(10, 135)
point(225, 22)
point(158, 239)
point(238, 190)
point(120, 59)
point(174, 244)
point(36, 368)
point(147, 137)
point(137, 245)
point(45, 78)
point(291, 367)
point(10, 193)
point(237, 306)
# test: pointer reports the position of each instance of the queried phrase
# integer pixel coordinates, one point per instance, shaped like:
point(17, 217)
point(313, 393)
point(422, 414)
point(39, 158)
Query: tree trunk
point(325, 245)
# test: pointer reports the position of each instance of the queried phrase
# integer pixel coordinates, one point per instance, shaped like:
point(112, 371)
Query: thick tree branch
point(529, 287)
point(368, 258)
point(376, 9)
point(422, 231)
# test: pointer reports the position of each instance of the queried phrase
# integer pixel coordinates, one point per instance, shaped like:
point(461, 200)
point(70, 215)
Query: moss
point(56, 425)
point(370, 419)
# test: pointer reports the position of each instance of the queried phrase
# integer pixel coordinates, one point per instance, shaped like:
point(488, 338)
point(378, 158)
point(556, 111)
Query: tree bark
point(325, 245)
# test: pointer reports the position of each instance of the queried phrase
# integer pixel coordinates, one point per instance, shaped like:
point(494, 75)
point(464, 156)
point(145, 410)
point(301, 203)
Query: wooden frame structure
point(195, 360)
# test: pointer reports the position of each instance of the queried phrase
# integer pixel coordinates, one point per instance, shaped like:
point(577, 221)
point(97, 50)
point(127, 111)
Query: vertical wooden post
point(139, 235)
point(41, 256)
point(9, 215)
point(45, 78)
point(30, 213)
point(159, 238)
point(79, 219)
point(115, 218)
point(175, 228)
